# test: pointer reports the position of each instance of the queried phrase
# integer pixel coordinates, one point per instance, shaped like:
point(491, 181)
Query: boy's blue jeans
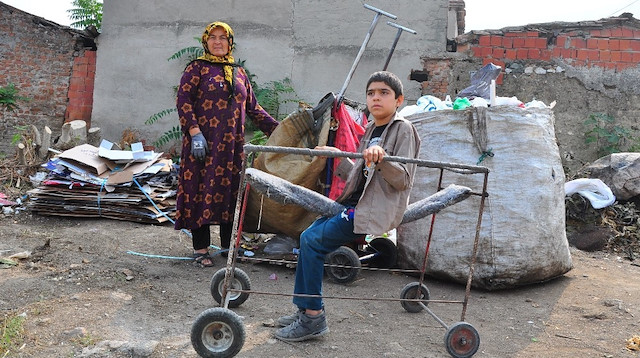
point(322, 237)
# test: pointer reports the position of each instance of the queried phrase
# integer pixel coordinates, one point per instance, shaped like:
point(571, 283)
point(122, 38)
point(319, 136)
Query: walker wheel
point(217, 333)
point(414, 291)
point(343, 265)
point(462, 340)
point(240, 281)
point(385, 250)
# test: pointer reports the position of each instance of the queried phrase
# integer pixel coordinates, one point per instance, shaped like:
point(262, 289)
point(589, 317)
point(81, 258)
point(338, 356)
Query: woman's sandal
point(203, 259)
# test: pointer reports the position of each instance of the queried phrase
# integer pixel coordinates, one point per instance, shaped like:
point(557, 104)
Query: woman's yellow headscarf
point(228, 58)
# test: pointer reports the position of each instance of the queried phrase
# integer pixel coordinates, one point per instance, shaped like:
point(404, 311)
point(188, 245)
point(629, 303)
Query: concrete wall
point(314, 43)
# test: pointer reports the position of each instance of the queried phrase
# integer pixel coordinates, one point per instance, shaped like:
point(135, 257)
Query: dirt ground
point(83, 292)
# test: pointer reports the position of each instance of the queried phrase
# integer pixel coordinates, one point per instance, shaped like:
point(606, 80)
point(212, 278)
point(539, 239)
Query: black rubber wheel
point(385, 250)
point(240, 281)
point(462, 340)
point(348, 261)
point(411, 292)
point(217, 333)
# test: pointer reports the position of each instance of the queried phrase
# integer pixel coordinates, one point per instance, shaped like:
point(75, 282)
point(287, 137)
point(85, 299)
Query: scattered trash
point(273, 277)
point(595, 190)
point(4, 201)
point(269, 323)
point(461, 103)
point(37, 178)
point(248, 253)
point(83, 183)
point(7, 263)
point(481, 82)
point(21, 255)
point(633, 343)
point(509, 101)
point(279, 245)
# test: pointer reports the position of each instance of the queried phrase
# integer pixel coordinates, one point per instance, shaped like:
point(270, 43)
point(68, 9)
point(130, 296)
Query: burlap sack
point(522, 237)
point(304, 129)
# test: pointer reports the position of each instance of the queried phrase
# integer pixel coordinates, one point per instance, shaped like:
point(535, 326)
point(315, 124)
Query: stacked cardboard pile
point(86, 181)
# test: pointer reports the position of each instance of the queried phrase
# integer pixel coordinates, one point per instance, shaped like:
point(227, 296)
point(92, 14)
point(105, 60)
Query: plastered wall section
point(313, 43)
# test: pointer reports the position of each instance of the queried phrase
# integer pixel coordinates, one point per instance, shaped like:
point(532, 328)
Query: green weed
point(607, 136)
point(11, 334)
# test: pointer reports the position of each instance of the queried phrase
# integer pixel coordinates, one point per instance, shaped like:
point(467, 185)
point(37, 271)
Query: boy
point(376, 195)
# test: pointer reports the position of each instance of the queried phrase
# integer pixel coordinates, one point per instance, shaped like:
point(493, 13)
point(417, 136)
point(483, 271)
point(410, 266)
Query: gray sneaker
point(304, 328)
point(287, 320)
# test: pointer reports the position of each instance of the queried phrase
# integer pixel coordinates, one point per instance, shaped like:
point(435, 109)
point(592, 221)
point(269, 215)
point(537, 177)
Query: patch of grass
point(11, 333)
point(85, 340)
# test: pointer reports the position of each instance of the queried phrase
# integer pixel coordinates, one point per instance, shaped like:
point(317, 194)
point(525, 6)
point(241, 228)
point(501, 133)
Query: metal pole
point(395, 41)
point(364, 45)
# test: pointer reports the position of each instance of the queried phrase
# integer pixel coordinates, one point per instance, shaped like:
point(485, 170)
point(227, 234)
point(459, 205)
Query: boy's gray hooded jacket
point(386, 191)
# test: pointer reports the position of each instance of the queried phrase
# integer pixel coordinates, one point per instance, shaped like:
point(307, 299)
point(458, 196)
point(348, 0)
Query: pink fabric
point(347, 139)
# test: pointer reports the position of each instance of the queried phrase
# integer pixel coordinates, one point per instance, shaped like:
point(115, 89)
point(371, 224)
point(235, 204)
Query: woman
point(214, 98)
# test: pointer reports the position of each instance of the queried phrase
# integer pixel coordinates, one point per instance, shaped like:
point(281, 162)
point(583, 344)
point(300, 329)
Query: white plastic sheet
point(595, 190)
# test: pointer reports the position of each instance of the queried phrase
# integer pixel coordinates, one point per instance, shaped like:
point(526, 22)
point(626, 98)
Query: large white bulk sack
point(522, 237)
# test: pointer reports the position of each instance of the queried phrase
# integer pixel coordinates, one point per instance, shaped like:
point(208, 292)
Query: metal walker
point(219, 332)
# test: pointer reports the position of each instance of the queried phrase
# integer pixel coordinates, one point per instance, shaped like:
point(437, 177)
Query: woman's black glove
point(199, 147)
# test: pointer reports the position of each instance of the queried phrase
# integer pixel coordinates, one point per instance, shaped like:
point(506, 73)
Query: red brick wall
point(615, 48)
point(81, 88)
point(612, 44)
point(439, 70)
point(42, 59)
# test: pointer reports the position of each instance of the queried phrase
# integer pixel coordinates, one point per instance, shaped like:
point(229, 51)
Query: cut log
point(22, 157)
point(37, 141)
point(94, 136)
point(43, 152)
point(72, 134)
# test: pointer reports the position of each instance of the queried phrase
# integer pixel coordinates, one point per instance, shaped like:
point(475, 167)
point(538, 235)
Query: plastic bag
point(481, 82)
point(595, 190)
point(280, 245)
point(409, 110)
point(461, 103)
point(429, 103)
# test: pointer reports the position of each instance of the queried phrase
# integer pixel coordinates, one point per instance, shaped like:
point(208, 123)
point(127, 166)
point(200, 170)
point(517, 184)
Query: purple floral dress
point(207, 190)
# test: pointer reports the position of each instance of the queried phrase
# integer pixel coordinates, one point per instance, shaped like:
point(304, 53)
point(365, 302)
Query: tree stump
point(73, 133)
point(22, 155)
point(94, 136)
point(43, 152)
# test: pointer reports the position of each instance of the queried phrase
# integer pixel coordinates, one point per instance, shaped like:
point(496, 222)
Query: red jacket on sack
point(347, 139)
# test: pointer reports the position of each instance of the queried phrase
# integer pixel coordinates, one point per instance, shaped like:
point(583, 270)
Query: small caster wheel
point(386, 253)
point(240, 281)
point(462, 340)
point(348, 261)
point(414, 291)
point(217, 333)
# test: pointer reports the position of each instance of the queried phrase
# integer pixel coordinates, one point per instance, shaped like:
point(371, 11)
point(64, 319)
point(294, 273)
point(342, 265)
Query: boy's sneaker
point(287, 320)
point(304, 328)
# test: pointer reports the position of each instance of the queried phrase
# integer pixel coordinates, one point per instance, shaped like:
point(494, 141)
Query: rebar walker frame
point(241, 204)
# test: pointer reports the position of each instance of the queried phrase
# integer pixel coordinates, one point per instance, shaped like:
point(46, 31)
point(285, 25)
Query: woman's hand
point(199, 147)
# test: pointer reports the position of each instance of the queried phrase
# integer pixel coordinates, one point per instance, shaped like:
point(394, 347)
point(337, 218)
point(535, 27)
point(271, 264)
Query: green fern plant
point(172, 135)
point(274, 94)
point(9, 97)
point(157, 116)
point(605, 134)
point(191, 52)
